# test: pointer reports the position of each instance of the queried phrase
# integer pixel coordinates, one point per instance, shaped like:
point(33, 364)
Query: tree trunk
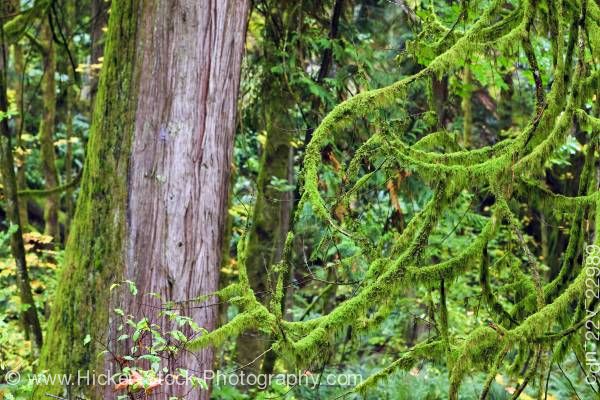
point(46, 134)
point(20, 156)
point(70, 105)
point(439, 98)
point(152, 206)
point(467, 107)
point(9, 181)
point(19, 126)
point(272, 207)
point(270, 217)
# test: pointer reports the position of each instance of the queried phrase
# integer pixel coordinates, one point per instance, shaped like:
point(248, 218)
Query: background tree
point(47, 129)
point(9, 182)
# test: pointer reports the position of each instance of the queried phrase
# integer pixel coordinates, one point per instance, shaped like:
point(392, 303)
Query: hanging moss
point(507, 170)
point(478, 349)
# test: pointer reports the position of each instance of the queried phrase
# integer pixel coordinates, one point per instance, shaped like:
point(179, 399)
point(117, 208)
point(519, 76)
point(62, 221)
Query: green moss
point(477, 351)
point(425, 350)
point(507, 170)
point(94, 252)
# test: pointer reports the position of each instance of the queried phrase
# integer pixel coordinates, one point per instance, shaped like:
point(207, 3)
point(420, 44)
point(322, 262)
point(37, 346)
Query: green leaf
point(281, 185)
point(198, 382)
point(150, 357)
point(132, 287)
point(103, 352)
point(177, 334)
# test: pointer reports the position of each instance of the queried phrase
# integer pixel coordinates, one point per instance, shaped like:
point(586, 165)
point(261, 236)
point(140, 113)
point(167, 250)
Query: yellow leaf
point(27, 137)
point(37, 237)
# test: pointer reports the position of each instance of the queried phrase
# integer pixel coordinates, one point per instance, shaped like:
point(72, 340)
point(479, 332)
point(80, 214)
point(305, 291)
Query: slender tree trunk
point(272, 212)
point(152, 206)
point(46, 134)
point(69, 203)
point(71, 99)
point(505, 104)
point(272, 207)
point(271, 215)
point(19, 121)
point(439, 94)
point(20, 157)
point(467, 107)
point(7, 169)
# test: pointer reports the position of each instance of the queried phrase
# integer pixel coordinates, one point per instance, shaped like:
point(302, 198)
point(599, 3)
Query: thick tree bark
point(181, 153)
point(153, 200)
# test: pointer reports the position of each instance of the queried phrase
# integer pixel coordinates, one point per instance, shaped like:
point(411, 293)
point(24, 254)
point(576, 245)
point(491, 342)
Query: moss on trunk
point(153, 195)
point(94, 253)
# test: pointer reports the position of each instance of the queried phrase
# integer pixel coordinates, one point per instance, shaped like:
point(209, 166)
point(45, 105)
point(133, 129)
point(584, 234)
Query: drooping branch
point(507, 170)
